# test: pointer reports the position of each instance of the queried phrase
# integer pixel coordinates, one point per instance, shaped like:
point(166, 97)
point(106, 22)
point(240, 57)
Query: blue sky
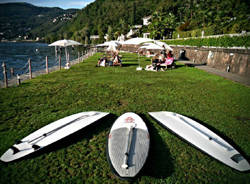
point(65, 4)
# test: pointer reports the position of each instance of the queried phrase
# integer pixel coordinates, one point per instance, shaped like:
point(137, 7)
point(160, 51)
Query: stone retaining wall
point(232, 60)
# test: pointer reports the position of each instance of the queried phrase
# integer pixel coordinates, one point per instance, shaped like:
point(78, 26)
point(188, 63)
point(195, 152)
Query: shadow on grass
point(86, 132)
point(194, 64)
point(129, 64)
point(159, 163)
point(178, 66)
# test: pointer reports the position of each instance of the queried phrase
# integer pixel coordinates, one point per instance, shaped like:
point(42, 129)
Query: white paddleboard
point(202, 138)
point(128, 145)
point(50, 134)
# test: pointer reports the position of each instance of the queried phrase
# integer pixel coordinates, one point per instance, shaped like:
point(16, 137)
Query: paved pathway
point(231, 76)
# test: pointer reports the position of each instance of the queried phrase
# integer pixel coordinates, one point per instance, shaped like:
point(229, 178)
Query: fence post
point(78, 57)
point(29, 61)
point(47, 65)
point(5, 75)
point(18, 80)
point(60, 64)
point(11, 72)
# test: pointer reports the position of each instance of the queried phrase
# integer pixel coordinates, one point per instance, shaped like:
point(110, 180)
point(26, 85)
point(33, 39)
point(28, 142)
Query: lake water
point(16, 55)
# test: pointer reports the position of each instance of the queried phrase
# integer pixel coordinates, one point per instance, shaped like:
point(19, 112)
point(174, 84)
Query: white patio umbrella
point(111, 48)
point(151, 46)
point(159, 43)
point(65, 43)
point(102, 45)
point(107, 44)
point(163, 44)
point(110, 44)
point(137, 41)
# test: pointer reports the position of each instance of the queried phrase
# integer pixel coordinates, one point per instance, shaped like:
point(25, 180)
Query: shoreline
point(13, 81)
point(15, 41)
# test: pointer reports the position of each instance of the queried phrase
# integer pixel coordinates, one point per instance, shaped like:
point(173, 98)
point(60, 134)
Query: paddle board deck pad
point(128, 145)
point(50, 134)
point(202, 138)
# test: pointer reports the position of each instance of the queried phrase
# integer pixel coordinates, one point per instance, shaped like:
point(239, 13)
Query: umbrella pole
point(139, 67)
point(67, 61)
point(56, 54)
point(55, 51)
point(138, 59)
point(66, 55)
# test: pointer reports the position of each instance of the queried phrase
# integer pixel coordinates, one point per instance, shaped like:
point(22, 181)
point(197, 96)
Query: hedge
point(225, 41)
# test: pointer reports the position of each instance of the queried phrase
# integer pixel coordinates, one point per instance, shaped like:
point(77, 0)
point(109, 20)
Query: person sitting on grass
point(156, 61)
point(170, 58)
point(169, 55)
point(102, 61)
point(117, 60)
point(169, 61)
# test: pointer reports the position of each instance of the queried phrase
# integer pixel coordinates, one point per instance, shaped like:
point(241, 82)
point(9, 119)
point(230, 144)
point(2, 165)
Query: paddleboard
point(50, 134)
point(128, 145)
point(202, 138)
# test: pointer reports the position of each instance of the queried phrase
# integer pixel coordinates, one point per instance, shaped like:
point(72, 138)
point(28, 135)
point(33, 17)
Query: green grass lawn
point(219, 104)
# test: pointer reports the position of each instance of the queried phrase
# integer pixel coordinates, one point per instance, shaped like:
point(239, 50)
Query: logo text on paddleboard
point(129, 120)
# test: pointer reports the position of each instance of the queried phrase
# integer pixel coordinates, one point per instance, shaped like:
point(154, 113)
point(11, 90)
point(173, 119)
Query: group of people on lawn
point(114, 60)
point(161, 61)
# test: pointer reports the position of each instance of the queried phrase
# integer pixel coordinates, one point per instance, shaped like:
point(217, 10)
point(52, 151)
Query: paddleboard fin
point(15, 150)
point(237, 158)
point(18, 142)
point(35, 147)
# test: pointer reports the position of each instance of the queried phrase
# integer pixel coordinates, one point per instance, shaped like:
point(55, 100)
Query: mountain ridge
point(27, 20)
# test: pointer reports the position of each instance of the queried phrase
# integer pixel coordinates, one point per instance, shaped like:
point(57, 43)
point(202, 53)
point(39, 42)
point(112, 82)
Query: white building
point(146, 20)
point(146, 35)
point(121, 38)
point(94, 37)
point(133, 30)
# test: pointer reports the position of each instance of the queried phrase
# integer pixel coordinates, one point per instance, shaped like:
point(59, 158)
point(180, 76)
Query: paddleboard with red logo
point(128, 145)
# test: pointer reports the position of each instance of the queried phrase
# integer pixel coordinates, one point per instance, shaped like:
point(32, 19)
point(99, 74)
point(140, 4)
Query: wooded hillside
point(187, 17)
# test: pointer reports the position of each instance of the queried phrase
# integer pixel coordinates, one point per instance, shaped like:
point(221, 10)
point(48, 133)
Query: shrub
point(225, 41)
point(236, 28)
point(184, 27)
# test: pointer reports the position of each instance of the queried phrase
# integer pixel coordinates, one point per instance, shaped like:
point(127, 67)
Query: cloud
point(77, 4)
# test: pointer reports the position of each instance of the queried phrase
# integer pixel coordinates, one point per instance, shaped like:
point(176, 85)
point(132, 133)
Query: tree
point(101, 34)
point(110, 33)
point(117, 34)
point(133, 14)
point(123, 26)
point(161, 21)
point(86, 40)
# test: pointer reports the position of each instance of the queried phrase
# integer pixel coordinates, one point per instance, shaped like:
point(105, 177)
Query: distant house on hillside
point(121, 38)
point(94, 37)
point(145, 35)
point(133, 30)
point(106, 37)
point(146, 21)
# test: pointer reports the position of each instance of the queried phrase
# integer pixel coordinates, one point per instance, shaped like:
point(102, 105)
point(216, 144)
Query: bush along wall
point(208, 31)
point(225, 41)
